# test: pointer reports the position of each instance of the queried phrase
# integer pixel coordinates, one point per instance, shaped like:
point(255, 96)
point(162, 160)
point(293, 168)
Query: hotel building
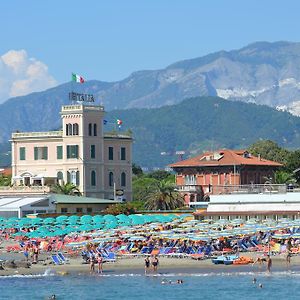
point(98, 163)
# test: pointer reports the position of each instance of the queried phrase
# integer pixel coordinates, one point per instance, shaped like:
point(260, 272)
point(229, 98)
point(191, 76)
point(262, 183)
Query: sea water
point(239, 285)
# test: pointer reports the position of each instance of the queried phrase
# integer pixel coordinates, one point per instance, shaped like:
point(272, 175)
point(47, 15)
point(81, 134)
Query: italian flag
point(77, 78)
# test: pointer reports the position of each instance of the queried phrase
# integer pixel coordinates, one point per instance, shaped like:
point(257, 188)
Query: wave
point(47, 273)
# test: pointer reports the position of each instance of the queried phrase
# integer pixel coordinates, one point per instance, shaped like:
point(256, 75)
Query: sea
point(131, 286)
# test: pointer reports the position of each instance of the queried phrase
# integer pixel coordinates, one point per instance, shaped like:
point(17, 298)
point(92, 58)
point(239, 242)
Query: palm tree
point(281, 177)
point(163, 196)
point(66, 189)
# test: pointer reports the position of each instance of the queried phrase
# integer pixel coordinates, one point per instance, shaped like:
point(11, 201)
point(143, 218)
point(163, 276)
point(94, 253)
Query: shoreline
point(180, 266)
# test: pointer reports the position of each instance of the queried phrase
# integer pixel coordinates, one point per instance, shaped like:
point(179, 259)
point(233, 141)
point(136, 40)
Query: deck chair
point(56, 259)
point(63, 258)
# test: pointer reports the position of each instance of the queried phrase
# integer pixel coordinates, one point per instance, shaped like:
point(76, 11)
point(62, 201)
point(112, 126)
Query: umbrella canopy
point(49, 221)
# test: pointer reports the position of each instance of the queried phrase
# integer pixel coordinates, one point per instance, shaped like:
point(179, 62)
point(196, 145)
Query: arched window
point(75, 129)
point(90, 129)
point(95, 129)
point(68, 129)
point(93, 178)
point(111, 178)
point(123, 179)
point(60, 175)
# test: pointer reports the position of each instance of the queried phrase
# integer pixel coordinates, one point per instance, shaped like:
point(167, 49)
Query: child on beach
point(100, 263)
point(147, 264)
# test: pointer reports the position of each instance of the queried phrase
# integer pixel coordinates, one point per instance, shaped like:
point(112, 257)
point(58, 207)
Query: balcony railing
point(37, 134)
point(24, 190)
point(236, 189)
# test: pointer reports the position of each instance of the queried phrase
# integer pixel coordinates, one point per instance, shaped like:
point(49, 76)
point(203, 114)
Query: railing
point(23, 190)
point(82, 107)
point(189, 188)
point(249, 189)
point(37, 134)
point(237, 189)
point(117, 135)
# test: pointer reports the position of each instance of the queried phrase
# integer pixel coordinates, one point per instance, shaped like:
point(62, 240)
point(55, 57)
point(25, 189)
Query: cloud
point(21, 75)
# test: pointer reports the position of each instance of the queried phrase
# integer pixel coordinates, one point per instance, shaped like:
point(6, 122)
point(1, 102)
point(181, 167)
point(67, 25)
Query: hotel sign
point(81, 97)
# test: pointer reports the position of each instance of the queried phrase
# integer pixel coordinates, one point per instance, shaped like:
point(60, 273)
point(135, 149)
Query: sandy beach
point(135, 265)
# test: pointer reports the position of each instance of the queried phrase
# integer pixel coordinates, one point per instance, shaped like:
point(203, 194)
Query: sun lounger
point(56, 259)
point(63, 258)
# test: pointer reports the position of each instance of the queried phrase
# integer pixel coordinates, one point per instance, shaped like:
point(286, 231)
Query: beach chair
point(63, 258)
point(56, 259)
point(110, 257)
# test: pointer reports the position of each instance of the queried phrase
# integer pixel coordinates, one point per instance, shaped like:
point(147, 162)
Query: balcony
point(249, 189)
point(189, 188)
point(24, 190)
point(54, 134)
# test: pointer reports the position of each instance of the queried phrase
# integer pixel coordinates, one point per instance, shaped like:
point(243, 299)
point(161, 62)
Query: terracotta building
point(221, 172)
point(81, 153)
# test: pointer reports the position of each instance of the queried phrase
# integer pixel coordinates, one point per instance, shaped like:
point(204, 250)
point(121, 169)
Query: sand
point(135, 265)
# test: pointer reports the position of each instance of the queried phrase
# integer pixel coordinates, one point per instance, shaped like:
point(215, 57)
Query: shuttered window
point(22, 153)
point(40, 153)
point(72, 151)
point(59, 152)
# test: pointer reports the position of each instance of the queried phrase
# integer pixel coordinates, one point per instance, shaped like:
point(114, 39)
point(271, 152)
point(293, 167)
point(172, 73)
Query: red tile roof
point(5, 172)
point(225, 157)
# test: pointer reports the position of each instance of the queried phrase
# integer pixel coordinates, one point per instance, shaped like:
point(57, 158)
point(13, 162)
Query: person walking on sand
point(147, 264)
point(269, 263)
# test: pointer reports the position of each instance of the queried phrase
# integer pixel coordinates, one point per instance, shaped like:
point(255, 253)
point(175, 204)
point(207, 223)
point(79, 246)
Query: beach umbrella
point(61, 219)
point(49, 221)
point(86, 227)
point(109, 218)
point(86, 219)
point(36, 221)
point(111, 225)
point(98, 219)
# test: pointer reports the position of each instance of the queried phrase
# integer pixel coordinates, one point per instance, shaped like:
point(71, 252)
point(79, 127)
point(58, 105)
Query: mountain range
point(262, 73)
point(201, 123)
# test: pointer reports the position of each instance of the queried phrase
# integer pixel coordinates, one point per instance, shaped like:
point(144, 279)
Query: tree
point(268, 149)
point(282, 177)
point(5, 180)
point(142, 186)
point(159, 174)
point(124, 208)
point(66, 189)
point(137, 170)
point(164, 197)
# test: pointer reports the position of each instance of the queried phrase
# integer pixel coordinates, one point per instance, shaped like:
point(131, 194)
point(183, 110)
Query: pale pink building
point(99, 163)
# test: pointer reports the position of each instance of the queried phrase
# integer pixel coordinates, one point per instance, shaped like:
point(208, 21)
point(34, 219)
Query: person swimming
point(254, 280)
point(260, 286)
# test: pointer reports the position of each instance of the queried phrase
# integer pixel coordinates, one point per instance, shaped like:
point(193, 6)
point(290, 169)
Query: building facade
point(98, 163)
point(222, 172)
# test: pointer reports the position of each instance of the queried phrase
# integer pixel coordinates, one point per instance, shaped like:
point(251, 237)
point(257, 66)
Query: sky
point(43, 42)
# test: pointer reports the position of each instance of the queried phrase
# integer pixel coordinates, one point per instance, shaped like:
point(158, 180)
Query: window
point(95, 129)
point(75, 129)
point(59, 152)
point(93, 178)
point(123, 179)
point(64, 210)
point(89, 209)
point(60, 175)
point(72, 151)
point(90, 129)
point(40, 153)
point(79, 209)
point(69, 130)
point(123, 153)
point(110, 153)
point(111, 178)
point(22, 153)
point(93, 151)
point(73, 177)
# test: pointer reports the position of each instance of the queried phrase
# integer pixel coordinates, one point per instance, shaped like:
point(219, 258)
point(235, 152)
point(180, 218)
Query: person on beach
point(147, 264)
point(269, 263)
point(100, 263)
point(288, 253)
point(35, 254)
point(92, 263)
point(155, 263)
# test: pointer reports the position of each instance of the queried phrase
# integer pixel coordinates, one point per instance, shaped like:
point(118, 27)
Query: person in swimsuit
point(100, 263)
point(147, 264)
point(155, 263)
point(269, 263)
point(92, 263)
